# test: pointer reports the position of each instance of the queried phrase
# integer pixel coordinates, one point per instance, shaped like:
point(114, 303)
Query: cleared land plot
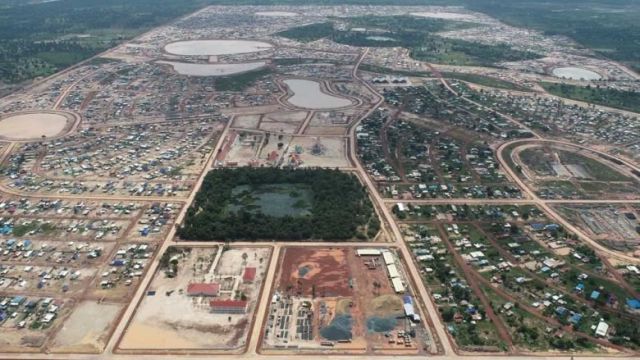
point(37, 125)
point(87, 328)
point(325, 269)
point(283, 122)
point(156, 326)
point(320, 152)
point(246, 121)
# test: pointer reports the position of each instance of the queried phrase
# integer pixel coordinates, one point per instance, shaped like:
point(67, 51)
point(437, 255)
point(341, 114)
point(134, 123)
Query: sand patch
point(29, 126)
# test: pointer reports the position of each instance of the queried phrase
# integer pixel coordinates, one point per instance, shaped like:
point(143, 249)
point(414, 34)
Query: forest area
point(620, 99)
point(42, 38)
point(340, 208)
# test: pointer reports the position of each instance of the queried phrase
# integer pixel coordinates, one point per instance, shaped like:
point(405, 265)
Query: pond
point(575, 73)
point(276, 13)
point(276, 200)
point(212, 69)
point(443, 15)
point(215, 47)
point(380, 38)
point(307, 94)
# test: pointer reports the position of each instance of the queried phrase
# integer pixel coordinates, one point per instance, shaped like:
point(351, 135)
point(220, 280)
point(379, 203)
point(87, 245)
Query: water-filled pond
point(215, 47)
point(307, 94)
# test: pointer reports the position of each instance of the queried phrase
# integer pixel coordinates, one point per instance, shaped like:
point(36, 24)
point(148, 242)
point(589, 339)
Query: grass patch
point(484, 81)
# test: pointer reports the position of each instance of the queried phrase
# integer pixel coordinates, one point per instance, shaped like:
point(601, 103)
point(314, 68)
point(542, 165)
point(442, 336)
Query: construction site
point(343, 300)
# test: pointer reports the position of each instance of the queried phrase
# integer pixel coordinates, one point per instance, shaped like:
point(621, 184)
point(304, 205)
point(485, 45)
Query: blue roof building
point(575, 318)
point(633, 304)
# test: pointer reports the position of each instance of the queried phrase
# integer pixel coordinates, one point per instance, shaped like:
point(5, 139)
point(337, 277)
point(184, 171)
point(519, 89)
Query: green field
point(484, 81)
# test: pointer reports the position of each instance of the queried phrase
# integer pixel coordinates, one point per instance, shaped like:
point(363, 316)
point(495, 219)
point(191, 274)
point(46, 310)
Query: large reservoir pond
point(443, 15)
point(575, 73)
point(212, 69)
point(215, 47)
point(307, 94)
point(276, 13)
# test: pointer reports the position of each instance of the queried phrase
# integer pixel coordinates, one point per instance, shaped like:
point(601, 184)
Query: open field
point(80, 335)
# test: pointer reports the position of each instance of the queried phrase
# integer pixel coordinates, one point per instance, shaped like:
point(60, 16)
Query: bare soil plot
point(279, 127)
point(321, 151)
point(246, 121)
point(87, 328)
point(326, 269)
point(32, 126)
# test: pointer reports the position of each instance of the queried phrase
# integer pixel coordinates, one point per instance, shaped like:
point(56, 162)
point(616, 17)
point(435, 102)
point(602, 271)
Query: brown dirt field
point(327, 270)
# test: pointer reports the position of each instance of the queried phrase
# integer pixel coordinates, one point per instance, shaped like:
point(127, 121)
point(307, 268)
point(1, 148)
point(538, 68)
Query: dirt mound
point(385, 306)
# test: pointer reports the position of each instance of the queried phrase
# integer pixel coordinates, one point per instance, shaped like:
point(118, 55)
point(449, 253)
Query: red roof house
point(228, 306)
point(273, 156)
point(202, 289)
point(249, 274)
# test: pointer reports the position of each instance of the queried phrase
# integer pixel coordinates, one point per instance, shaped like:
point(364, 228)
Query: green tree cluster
point(340, 206)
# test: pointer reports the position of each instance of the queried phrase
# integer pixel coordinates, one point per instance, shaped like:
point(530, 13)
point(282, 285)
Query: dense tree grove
point(42, 38)
point(339, 211)
point(621, 99)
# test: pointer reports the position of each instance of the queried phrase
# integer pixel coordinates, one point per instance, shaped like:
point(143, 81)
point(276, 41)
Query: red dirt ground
point(327, 269)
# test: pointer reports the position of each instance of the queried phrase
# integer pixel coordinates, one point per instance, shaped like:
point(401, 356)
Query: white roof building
point(388, 258)
point(368, 252)
point(602, 329)
point(397, 285)
point(393, 271)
